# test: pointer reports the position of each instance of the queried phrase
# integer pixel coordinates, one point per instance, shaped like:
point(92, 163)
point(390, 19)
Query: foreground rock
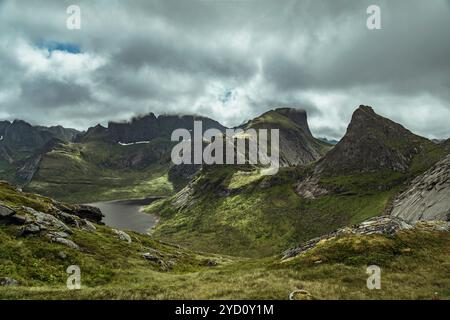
point(123, 236)
point(384, 225)
point(428, 197)
point(379, 225)
point(6, 211)
point(80, 210)
point(8, 282)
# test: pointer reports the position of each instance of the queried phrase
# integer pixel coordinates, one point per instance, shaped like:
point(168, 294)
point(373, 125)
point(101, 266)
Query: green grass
point(88, 173)
point(262, 216)
point(8, 171)
point(414, 265)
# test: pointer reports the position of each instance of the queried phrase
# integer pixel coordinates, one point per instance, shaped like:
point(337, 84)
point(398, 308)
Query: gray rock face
point(61, 238)
point(428, 197)
point(5, 211)
point(47, 220)
point(122, 235)
point(379, 225)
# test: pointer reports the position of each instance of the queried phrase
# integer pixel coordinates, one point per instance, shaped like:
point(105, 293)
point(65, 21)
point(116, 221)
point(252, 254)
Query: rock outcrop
point(428, 196)
point(43, 217)
point(80, 210)
point(379, 225)
point(121, 235)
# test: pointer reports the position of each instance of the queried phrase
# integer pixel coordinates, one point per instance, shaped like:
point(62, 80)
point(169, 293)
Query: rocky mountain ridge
point(19, 139)
point(145, 128)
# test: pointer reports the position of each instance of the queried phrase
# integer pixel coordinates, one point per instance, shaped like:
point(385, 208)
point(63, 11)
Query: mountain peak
point(372, 142)
point(363, 108)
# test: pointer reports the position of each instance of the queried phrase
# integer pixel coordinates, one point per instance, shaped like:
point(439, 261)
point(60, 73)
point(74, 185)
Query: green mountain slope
point(95, 171)
point(414, 262)
point(234, 211)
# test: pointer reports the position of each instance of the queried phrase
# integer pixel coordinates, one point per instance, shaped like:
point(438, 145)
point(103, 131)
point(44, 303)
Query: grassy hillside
point(415, 265)
point(99, 171)
point(259, 216)
point(236, 211)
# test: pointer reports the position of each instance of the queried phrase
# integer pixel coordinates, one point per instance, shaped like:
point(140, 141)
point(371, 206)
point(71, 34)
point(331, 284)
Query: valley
point(227, 231)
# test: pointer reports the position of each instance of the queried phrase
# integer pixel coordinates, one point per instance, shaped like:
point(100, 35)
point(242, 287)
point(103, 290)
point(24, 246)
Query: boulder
point(8, 282)
point(122, 235)
point(31, 229)
point(19, 219)
point(87, 226)
point(148, 256)
point(80, 210)
point(66, 242)
point(87, 212)
point(6, 211)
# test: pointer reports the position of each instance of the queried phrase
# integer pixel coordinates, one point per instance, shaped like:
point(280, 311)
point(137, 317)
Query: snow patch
point(133, 143)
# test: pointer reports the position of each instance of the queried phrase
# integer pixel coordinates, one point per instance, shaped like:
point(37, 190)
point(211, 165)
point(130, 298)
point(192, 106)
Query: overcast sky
point(229, 60)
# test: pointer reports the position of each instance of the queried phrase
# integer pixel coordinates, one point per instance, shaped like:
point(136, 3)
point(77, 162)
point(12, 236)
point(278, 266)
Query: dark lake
point(127, 215)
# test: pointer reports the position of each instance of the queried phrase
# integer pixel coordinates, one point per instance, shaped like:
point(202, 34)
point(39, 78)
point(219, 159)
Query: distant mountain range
point(32, 154)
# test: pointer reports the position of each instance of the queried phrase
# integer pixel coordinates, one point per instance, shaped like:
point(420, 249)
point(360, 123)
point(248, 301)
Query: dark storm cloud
point(182, 56)
point(50, 94)
point(186, 56)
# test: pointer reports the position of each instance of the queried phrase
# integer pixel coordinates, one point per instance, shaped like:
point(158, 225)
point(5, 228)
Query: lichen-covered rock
point(66, 242)
point(122, 235)
point(46, 220)
point(5, 211)
point(31, 229)
point(428, 197)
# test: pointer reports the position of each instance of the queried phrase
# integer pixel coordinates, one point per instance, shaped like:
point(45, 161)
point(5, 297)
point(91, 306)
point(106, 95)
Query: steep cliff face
point(428, 197)
point(297, 145)
point(298, 116)
point(145, 128)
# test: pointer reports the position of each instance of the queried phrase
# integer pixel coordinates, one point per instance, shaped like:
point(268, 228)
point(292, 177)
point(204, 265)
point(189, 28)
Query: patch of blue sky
point(52, 46)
